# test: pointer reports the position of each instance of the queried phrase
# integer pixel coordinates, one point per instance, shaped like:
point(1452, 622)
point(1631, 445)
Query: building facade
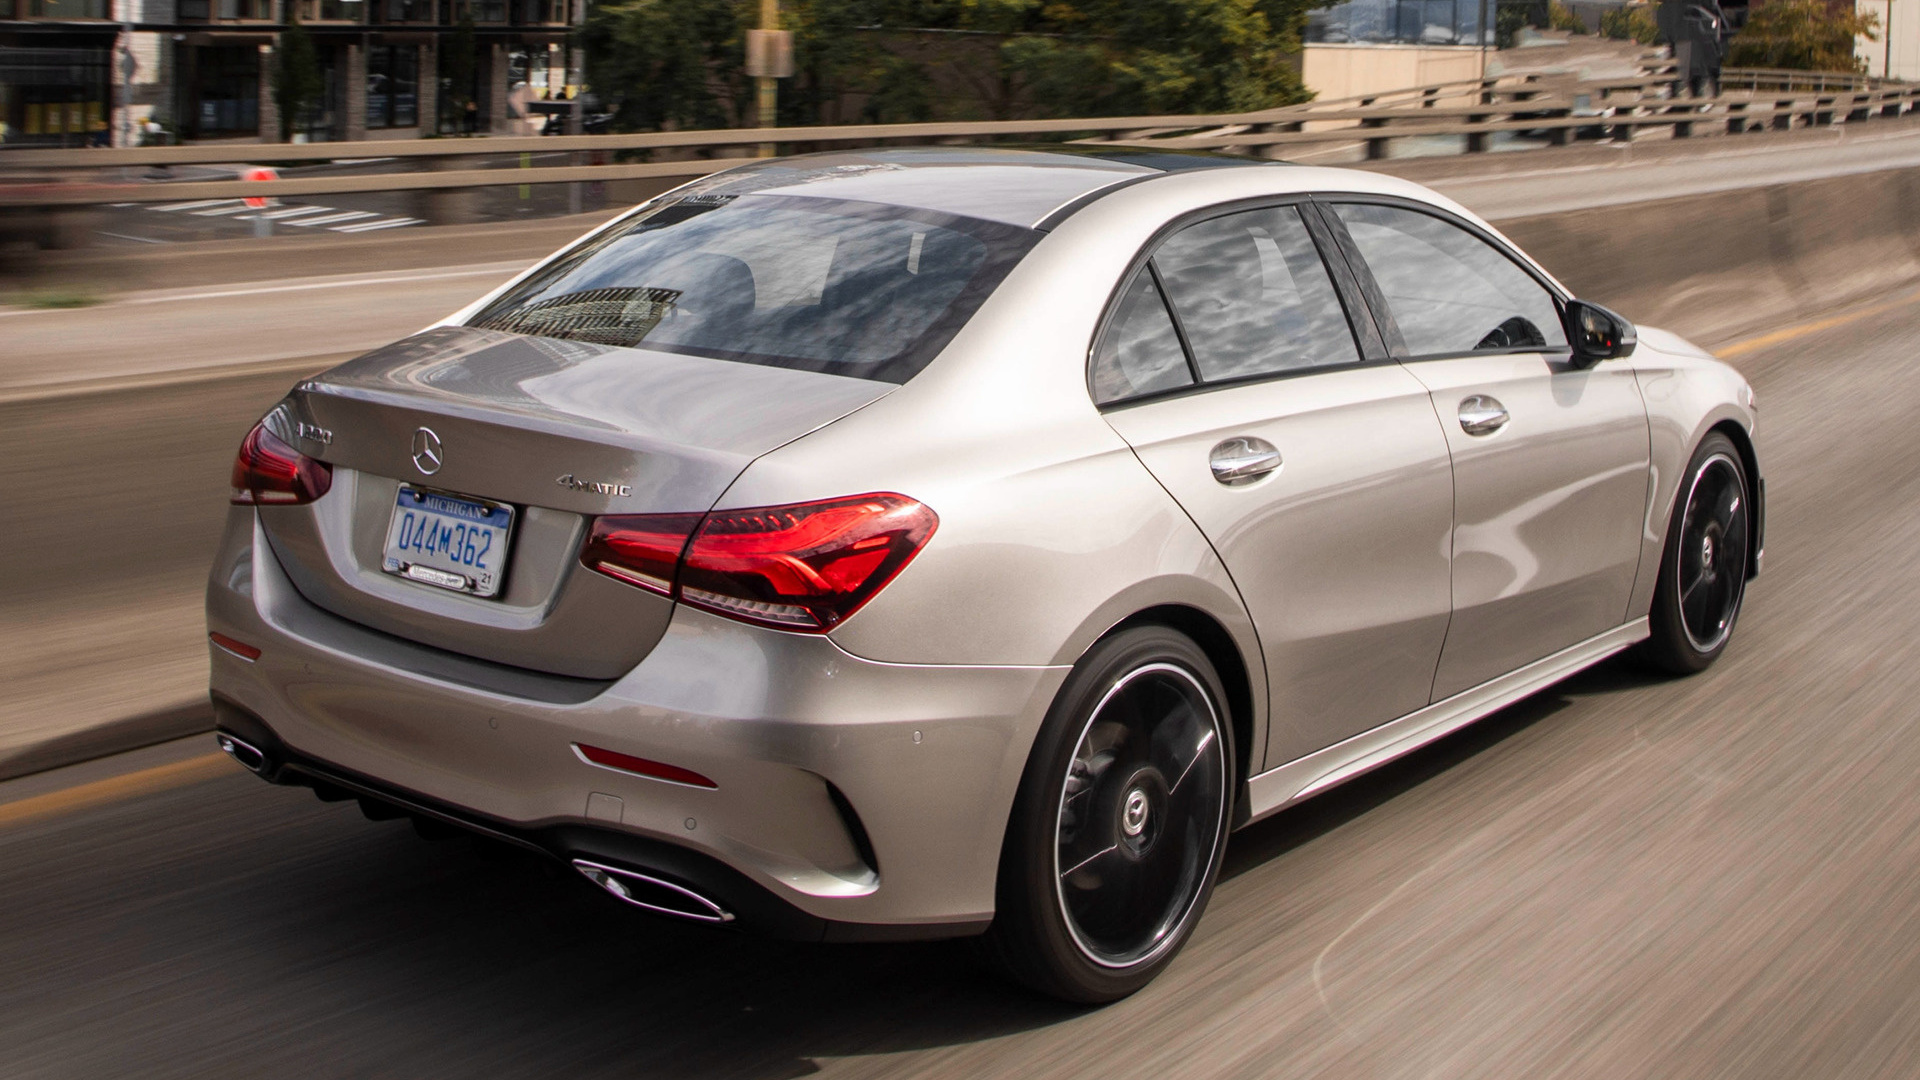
point(124, 72)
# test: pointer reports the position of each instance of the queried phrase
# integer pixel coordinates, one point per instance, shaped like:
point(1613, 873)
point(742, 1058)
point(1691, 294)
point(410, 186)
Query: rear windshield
point(817, 284)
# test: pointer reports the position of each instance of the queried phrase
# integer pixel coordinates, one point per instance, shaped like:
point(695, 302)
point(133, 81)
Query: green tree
point(1631, 22)
point(1803, 35)
point(675, 63)
point(678, 62)
point(296, 76)
point(1115, 57)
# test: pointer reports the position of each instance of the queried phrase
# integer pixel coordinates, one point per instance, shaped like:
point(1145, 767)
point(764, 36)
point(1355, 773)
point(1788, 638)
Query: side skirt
point(1302, 778)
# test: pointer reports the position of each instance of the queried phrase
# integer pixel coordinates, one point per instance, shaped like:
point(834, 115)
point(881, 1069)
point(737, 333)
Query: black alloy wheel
point(1703, 573)
point(1120, 824)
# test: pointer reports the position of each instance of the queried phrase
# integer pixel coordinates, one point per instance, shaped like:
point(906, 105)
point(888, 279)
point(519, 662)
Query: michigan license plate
point(449, 541)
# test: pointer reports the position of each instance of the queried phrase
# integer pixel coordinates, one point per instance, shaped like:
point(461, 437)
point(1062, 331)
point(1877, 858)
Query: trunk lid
point(563, 431)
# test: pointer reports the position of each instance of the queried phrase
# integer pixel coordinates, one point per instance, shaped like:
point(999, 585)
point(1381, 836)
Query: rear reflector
point(805, 566)
point(639, 766)
point(269, 472)
point(238, 648)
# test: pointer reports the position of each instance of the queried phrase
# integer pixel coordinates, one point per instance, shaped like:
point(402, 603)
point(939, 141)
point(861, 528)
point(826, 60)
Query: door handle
point(1482, 415)
point(1242, 460)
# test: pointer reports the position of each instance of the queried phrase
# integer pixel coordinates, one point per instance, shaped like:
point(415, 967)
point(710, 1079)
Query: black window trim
point(1383, 311)
point(1361, 322)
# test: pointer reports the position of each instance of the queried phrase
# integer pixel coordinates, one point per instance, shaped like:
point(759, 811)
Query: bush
point(1803, 35)
point(1561, 17)
point(1633, 22)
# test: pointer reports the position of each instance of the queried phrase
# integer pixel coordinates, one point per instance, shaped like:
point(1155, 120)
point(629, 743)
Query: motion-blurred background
point(202, 201)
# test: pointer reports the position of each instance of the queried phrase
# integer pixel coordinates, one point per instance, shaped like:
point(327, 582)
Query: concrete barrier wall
point(1713, 266)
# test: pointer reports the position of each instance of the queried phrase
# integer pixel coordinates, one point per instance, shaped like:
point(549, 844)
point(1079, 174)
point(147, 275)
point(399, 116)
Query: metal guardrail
point(1561, 107)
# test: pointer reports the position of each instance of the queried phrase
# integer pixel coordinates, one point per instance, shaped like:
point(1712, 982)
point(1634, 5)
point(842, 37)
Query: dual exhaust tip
point(629, 886)
point(652, 894)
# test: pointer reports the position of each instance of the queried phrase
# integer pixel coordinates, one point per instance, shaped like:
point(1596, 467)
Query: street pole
point(123, 65)
point(1484, 30)
point(1886, 65)
point(768, 88)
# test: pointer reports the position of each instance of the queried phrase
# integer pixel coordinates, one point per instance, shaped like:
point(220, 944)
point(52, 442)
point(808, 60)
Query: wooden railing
point(1559, 108)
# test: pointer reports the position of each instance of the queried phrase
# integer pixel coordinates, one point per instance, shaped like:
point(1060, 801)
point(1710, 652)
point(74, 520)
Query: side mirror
point(1597, 334)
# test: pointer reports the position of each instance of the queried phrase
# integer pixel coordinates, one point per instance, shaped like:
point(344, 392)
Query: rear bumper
point(854, 799)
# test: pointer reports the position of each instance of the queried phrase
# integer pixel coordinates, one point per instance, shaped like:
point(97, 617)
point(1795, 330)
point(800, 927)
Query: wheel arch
point(1235, 677)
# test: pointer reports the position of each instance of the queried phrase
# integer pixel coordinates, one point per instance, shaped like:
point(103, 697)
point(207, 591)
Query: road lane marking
point(117, 789)
point(1799, 330)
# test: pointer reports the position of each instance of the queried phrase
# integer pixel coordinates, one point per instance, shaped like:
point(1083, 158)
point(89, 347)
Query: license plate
point(450, 541)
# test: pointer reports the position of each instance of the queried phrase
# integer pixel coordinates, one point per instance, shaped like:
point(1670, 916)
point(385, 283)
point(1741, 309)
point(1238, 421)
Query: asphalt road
point(1621, 877)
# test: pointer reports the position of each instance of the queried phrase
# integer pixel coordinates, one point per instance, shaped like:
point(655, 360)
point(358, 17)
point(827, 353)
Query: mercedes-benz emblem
point(427, 454)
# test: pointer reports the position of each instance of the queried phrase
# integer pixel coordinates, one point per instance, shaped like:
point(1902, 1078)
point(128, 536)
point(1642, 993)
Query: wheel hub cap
point(1133, 819)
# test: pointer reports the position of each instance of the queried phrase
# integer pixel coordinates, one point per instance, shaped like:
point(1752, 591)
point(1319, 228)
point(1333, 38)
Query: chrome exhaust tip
point(652, 894)
point(243, 752)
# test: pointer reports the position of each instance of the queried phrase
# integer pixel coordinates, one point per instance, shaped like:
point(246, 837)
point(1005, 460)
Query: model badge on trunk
point(427, 454)
point(571, 484)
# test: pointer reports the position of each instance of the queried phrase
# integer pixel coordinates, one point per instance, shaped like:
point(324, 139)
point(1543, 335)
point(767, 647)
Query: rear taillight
point(801, 567)
point(268, 472)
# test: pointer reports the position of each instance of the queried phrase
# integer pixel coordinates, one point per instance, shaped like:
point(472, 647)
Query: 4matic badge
point(571, 484)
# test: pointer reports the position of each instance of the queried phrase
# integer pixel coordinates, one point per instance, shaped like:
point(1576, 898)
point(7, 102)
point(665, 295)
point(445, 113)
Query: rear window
point(822, 285)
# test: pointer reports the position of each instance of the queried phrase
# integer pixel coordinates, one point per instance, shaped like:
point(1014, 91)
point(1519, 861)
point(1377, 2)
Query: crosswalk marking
point(375, 226)
point(305, 215)
point(350, 215)
point(197, 205)
point(282, 215)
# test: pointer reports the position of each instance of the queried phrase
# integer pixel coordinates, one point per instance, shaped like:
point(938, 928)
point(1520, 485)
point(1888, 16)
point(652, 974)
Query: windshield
point(823, 285)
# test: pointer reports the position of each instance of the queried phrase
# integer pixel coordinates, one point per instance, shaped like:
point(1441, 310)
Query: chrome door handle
point(1482, 415)
point(1243, 460)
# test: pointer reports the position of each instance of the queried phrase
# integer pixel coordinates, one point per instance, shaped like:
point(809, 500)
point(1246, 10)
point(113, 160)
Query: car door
point(1312, 462)
point(1550, 459)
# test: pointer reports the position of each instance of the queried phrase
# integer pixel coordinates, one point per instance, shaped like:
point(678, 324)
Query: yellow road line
point(117, 788)
point(1788, 333)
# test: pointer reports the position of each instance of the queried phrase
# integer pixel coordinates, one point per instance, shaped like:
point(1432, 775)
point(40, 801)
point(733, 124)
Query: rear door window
point(1449, 291)
point(827, 285)
point(1254, 297)
point(1240, 296)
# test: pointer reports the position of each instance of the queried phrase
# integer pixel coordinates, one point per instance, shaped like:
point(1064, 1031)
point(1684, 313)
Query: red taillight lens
point(268, 472)
point(802, 567)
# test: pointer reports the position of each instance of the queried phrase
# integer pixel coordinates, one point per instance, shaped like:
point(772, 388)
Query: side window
point(1140, 352)
point(1254, 297)
point(1450, 291)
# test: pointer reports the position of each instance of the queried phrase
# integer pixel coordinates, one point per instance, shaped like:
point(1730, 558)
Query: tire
point(1128, 791)
point(1703, 567)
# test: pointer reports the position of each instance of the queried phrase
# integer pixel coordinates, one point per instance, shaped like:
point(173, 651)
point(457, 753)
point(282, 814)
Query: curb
point(118, 736)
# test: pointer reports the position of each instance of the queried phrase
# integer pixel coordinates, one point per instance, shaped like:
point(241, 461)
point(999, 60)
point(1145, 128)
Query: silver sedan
point(944, 542)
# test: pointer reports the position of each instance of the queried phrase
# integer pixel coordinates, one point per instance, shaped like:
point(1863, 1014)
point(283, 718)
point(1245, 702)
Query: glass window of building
point(393, 86)
point(1401, 22)
point(225, 84)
